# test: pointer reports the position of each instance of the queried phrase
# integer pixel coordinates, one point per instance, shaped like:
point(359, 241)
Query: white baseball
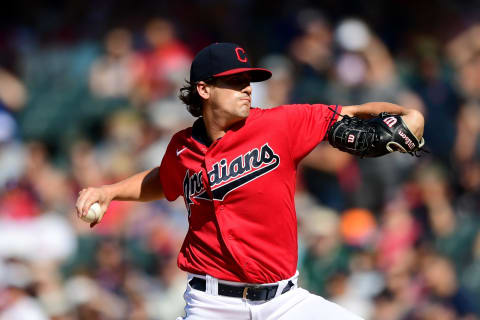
point(94, 213)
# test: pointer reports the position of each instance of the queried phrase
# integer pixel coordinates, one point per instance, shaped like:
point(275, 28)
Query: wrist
point(109, 192)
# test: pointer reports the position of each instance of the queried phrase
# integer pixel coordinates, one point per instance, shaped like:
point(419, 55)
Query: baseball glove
point(374, 137)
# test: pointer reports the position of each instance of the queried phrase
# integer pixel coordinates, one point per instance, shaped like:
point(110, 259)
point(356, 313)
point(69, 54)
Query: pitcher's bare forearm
point(372, 109)
point(143, 186)
point(412, 117)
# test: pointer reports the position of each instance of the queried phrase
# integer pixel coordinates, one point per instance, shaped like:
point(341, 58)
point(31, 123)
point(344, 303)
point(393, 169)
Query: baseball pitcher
point(236, 169)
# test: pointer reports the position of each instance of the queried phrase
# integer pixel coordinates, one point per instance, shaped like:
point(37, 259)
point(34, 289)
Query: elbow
point(349, 111)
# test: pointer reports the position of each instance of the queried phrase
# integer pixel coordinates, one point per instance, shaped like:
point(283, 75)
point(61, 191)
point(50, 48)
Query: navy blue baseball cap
point(223, 59)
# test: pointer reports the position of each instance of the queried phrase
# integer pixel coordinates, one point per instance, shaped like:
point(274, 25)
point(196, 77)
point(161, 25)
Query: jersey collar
point(199, 132)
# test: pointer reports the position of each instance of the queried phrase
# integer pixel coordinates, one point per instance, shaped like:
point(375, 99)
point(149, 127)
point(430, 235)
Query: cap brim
point(257, 74)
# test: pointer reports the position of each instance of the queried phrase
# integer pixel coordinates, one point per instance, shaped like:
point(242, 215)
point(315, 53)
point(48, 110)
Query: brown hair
point(190, 97)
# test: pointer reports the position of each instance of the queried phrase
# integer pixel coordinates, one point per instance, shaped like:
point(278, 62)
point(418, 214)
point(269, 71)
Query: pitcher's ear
point(203, 89)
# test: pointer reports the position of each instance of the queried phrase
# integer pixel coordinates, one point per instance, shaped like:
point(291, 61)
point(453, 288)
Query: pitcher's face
point(231, 96)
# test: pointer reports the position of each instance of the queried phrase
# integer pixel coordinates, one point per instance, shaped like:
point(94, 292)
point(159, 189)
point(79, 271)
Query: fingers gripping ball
point(374, 137)
point(94, 214)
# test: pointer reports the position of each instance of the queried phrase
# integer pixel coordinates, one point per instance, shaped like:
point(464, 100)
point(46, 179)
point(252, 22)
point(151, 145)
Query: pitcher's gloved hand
point(374, 137)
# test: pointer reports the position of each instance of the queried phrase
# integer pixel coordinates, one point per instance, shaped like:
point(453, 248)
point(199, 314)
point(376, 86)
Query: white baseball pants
point(295, 304)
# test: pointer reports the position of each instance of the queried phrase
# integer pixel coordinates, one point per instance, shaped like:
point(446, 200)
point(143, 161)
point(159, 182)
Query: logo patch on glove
point(407, 140)
point(390, 121)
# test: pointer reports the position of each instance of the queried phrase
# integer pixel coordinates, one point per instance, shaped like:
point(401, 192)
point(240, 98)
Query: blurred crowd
point(391, 238)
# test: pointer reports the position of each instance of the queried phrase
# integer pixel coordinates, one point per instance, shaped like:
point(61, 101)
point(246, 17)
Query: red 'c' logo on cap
point(241, 55)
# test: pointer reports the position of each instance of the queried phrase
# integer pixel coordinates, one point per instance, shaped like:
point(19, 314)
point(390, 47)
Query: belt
point(250, 292)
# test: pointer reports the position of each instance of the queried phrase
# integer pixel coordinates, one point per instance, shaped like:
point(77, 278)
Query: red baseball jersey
point(239, 191)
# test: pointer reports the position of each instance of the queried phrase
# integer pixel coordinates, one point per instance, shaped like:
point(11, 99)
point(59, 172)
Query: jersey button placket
point(208, 166)
point(220, 208)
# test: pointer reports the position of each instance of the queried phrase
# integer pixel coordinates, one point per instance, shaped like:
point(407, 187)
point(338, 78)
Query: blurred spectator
point(340, 291)
point(444, 289)
point(13, 95)
point(467, 146)
point(89, 301)
point(325, 253)
point(164, 303)
point(277, 90)
point(164, 67)
point(59, 103)
point(398, 234)
point(439, 97)
point(12, 152)
point(111, 266)
point(16, 290)
point(436, 311)
point(451, 233)
point(12, 91)
point(355, 290)
point(470, 277)
point(464, 50)
point(46, 238)
point(311, 52)
point(48, 183)
point(113, 75)
point(19, 203)
point(403, 285)
point(386, 307)
point(34, 207)
point(163, 118)
point(467, 156)
point(85, 166)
